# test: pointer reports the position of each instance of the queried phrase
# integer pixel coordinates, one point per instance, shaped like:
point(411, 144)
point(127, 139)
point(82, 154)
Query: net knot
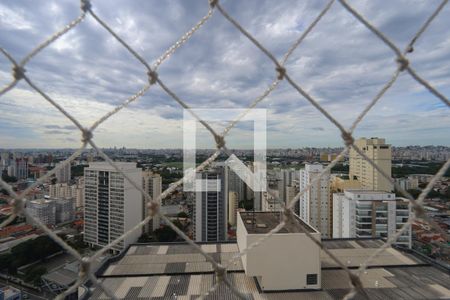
point(348, 138)
point(281, 72)
point(18, 206)
point(221, 273)
point(402, 62)
point(220, 141)
point(18, 72)
point(86, 135)
point(410, 49)
point(153, 208)
point(213, 3)
point(85, 5)
point(152, 76)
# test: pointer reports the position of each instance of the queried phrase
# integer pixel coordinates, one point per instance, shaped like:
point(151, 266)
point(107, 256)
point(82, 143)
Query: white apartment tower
point(152, 184)
point(380, 153)
point(43, 210)
point(211, 205)
point(370, 214)
point(63, 174)
point(112, 204)
point(314, 204)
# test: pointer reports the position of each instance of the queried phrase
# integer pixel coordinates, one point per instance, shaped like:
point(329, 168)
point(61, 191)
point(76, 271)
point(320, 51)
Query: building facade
point(63, 175)
point(152, 184)
point(314, 204)
point(65, 210)
point(211, 205)
point(43, 210)
point(381, 154)
point(370, 214)
point(113, 205)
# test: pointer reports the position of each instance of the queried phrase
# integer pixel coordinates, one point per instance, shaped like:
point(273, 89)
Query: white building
point(113, 205)
point(314, 204)
point(152, 184)
point(361, 213)
point(65, 210)
point(43, 210)
point(408, 183)
point(63, 174)
point(65, 191)
point(211, 205)
point(276, 263)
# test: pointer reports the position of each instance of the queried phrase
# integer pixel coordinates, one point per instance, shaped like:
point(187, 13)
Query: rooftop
point(163, 271)
point(105, 166)
point(263, 222)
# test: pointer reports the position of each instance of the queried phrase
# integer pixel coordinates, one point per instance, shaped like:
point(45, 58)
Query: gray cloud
point(341, 63)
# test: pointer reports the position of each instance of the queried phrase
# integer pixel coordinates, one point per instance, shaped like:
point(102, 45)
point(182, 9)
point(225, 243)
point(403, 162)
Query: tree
point(34, 275)
point(414, 192)
point(182, 214)
point(166, 233)
point(7, 178)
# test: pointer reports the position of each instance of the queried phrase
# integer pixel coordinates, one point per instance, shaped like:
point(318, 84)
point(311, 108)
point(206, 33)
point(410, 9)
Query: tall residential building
point(380, 153)
point(339, 183)
point(65, 210)
point(285, 178)
point(43, 210)
point(361, 213)
point(65, 191)
point(18, 168)
point(63, 175)
point(314, 204)
point(232, 208)
point(211, 205)
point(152, 184)
point(113, 206)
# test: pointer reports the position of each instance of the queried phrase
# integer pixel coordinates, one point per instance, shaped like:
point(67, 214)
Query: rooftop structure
point(277, 264)
point(178, 270)
point(263, 222)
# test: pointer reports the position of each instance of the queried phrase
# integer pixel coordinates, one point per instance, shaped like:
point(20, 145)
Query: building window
point(311, 279)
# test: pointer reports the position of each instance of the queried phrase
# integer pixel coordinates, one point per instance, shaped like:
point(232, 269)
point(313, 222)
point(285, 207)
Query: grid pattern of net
point(280, 73)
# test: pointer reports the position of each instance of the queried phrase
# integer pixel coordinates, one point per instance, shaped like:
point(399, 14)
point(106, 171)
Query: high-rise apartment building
point(43, 210)
point(152, 184)
point(285, 179)
point(63, 174)
point(211, 205)
point(370, 214)
point(232, 208)
point(65, 210)
point(18, 167)
point(113, 205)
point(314, 204)
point(65, 191)
point(380, 153)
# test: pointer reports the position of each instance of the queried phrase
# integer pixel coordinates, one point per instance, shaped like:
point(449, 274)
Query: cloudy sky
point(340, 63)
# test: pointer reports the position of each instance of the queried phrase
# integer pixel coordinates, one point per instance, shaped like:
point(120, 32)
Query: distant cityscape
point(89, 204)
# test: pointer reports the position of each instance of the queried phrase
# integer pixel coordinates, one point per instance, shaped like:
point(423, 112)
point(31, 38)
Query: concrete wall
point(283, 261)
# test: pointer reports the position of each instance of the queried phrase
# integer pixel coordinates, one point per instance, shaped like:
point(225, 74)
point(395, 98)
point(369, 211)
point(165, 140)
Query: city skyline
point(343, 80)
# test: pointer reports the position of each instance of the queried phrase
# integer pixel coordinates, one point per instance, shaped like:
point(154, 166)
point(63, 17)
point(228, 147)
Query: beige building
point(152, 184)
point(380, 153)
point(287, 260)
point(232, 208)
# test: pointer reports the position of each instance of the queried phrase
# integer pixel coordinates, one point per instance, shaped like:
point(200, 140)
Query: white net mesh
point(281, 73)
